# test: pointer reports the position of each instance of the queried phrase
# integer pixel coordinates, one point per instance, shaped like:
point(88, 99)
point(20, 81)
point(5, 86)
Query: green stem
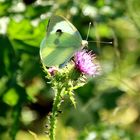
point(56, 105)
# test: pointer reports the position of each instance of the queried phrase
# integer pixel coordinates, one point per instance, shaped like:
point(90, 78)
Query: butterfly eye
point(59, 31)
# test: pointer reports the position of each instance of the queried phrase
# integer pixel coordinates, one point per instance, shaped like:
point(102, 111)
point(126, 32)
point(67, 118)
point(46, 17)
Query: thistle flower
point(85, 63)
point(52, 70)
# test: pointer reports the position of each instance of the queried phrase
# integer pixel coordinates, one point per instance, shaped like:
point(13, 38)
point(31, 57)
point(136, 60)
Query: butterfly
point(61, 42)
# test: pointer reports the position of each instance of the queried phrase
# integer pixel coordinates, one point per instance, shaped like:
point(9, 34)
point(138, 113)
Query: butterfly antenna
point(89, 26)
point(102, 42)
point(97, 36)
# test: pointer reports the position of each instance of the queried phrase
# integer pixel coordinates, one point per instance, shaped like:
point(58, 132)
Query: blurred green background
point(108, 107)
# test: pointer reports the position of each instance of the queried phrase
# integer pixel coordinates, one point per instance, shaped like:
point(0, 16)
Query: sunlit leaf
point(133, 8)
point(11, 97)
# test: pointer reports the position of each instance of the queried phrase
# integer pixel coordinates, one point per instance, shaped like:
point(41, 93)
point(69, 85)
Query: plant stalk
point(53, 116)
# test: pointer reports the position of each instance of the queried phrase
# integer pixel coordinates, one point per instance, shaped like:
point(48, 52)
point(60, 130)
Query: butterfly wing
point(61, 42)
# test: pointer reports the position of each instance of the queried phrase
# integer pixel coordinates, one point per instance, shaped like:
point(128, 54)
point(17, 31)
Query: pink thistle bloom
point(85, 63)
point(52, 70)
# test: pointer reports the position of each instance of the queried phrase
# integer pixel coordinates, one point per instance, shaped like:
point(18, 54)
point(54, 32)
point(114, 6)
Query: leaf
point(4, 7)
point(71, 96)
point(133, 8)
point(35, 11)
point(8, 59)
point(11, 97)
point(25, 33)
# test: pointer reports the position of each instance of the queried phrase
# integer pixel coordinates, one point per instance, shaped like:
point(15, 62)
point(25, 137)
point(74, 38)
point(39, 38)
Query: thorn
point(62, 101)
point(46, 125)
point(46, 132)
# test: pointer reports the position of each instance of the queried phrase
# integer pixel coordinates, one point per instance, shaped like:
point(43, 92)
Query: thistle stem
point(53, 116)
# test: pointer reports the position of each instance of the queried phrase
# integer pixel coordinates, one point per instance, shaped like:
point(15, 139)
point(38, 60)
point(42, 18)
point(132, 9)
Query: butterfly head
point(84, 43)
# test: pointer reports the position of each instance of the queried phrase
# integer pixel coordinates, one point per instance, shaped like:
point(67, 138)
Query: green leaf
point(11, 97)
point(4, 7)
point(134, 11)
point(8, 59)
point(35, 11)
point(27, 34)
point(71, 96)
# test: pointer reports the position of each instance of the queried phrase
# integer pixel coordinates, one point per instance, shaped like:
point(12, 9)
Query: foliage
point(26, 99)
